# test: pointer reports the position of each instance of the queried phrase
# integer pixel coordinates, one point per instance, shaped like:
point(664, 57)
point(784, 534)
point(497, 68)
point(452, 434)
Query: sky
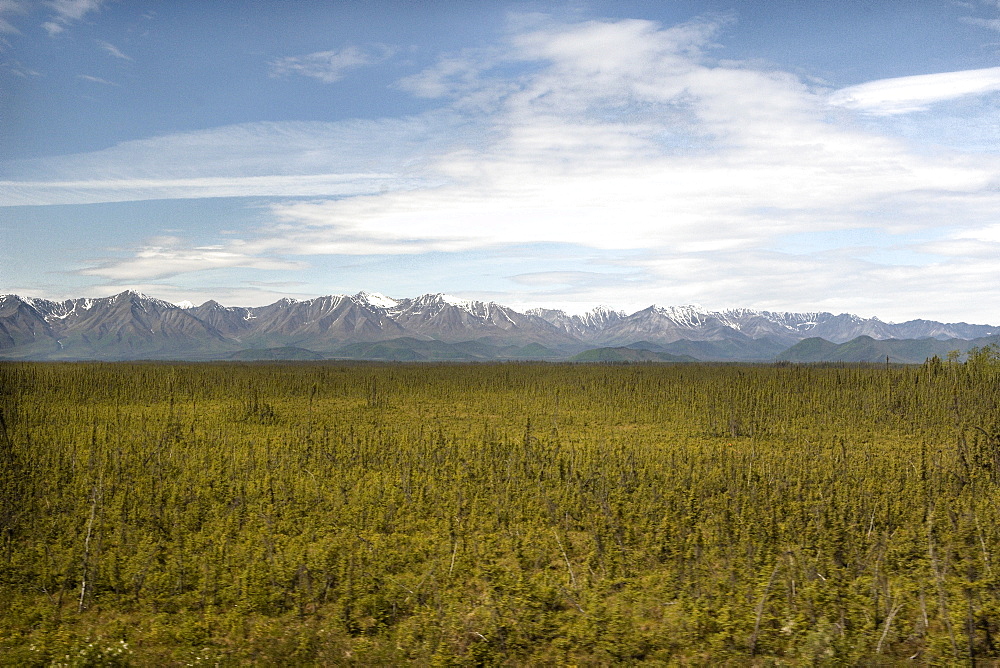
point(782, 155)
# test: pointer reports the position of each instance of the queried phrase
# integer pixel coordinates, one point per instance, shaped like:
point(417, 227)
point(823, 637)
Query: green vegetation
point(282, 353)
point(867, 349)
point(409, 349)
point(481, 514)
point(623, 354)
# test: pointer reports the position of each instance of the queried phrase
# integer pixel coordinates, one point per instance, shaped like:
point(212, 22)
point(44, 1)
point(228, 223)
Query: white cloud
point(87, 77)
point(449, 76)
point(113, 50)
point(253, 159)
point(992, 24)
point(74, 10)
point(164, 257)
point(67, 12)
point(260, 149)
point(17, 68)
point(916, 93)
point(8, 7)
point(980, 243)
point(330, 66)
point(29, 193)
point(989, 233)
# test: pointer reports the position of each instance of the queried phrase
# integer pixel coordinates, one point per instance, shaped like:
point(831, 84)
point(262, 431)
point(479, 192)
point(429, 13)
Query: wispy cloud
point(113, 50)
point(254, 159)
point(99, 80)
point(290, 159)
point(32, 193)
point(916, 93)
point(330, 66)
point(67, 12)
point(8, 8)
point(449, 76)
point(17, 68)
point(261, 149)
point(992, 24)
point(164, 257)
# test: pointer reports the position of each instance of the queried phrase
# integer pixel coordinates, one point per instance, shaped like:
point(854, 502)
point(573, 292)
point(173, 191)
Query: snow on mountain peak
point(691, 315)
point(602, 309)
point(451, 300)
point(184, 304)
point(440, 300)
point(601, 314)
point(49, 309)
point(376, 299)
point(141, 300)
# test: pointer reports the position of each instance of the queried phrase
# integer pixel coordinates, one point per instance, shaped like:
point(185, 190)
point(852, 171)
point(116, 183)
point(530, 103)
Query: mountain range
point(367, 325)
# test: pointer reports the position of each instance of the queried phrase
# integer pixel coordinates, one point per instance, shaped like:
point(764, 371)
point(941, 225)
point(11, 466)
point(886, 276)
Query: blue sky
point(783, 155)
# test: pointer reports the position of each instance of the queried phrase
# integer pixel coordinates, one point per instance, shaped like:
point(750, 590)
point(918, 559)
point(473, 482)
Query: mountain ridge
point(132, 325)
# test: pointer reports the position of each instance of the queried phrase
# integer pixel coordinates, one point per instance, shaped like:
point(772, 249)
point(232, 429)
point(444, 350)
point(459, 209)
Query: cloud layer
point(66, 12)
point(165, 257)
point(916, 93)
point(330, 66)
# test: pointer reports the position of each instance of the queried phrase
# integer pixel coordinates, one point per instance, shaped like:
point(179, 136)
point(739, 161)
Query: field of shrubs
point(324, 513)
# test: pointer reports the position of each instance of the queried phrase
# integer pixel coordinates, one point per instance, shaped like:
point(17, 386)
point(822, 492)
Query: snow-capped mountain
point(314, 322)
point(22, 323)
point(126, 325)
point(586, 327)
point(448, 318)
point(131, 325)
point(375, 300)
point(669, 324)
point(666, 325)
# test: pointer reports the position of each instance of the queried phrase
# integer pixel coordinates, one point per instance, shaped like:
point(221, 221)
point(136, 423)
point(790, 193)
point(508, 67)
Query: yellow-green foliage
point(320, 513)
